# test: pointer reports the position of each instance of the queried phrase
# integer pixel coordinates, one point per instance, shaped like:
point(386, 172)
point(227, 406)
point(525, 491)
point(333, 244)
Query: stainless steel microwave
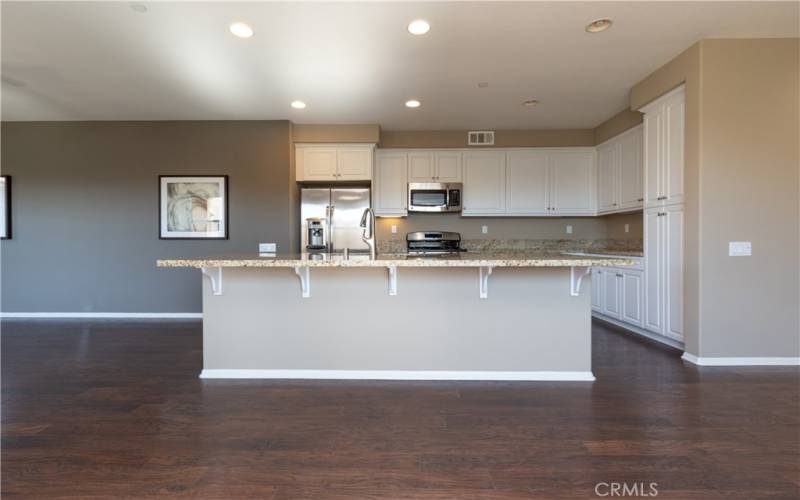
point(434, 197)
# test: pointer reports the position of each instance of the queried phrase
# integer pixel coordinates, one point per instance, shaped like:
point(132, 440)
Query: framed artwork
point(193, 207)
point(5, 207)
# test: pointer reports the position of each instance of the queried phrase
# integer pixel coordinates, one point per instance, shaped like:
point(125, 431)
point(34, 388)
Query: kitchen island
point(474, 316)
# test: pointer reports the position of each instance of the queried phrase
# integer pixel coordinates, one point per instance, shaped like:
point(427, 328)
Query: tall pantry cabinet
point(664, 214)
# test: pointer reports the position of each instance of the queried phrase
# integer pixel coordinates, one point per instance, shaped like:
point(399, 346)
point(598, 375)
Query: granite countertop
point(602, 252)
point(516, 258)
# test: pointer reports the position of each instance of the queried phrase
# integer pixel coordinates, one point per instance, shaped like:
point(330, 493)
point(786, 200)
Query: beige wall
point(749, 191)
point(741, 174)
point(685, 68)
point(617, 124)
point(503, 138)
point(335, 133)
point(610, 226)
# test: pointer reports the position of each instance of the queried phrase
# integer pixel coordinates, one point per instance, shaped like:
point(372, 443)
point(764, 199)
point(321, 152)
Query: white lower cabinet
point(597, 289)
point(632, 297)
point(612, 292)
point(663, 271)
point(619, 294)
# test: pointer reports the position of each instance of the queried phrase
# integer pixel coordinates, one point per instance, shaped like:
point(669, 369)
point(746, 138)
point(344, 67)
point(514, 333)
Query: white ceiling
point(352, 63)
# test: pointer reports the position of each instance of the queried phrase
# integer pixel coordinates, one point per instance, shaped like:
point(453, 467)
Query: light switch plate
point(569, 229)
point(740, 248)
point(267, 247)
point(485, 229)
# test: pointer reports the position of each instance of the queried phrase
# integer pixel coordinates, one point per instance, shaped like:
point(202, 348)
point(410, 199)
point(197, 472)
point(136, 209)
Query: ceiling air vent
point(480, 138)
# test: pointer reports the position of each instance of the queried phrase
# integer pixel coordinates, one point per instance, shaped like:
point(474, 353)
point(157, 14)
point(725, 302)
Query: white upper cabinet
point(572, 183)
point(607, 177)
point(354, 164)
point(496, 182)
point(421, 167)
point(345, 162)
point(448, 166)
point(316, 164)
point(674, 110)
point(484, 183)
point(631, 166)
point(527, 183)
point(390, 186)
point(663, 149)
point(619, 172)
point(434, 166)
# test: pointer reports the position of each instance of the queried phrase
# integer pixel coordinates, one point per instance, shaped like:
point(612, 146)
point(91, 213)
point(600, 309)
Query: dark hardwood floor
point(115, 410)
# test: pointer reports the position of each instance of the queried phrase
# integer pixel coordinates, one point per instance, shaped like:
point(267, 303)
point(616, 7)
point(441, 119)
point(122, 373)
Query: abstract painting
point(193, 207)
point(5, 207)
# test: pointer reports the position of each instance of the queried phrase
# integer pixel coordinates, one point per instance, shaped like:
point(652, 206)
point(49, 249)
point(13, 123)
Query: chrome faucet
point(368, 234)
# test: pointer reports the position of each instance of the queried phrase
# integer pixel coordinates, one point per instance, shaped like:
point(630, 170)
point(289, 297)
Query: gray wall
point(85, 209)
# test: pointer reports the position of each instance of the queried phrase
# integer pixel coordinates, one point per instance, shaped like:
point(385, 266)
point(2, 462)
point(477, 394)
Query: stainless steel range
point(433, 243)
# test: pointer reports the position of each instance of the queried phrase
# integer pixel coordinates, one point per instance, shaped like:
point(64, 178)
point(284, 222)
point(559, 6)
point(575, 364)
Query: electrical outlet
point(627, 228)
point(394, 228)
point(569, 228)
point(740, 248)
point(485, 229)
point(267, 247)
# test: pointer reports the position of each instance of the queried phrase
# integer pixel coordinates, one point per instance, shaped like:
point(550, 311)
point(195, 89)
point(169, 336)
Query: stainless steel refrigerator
point(341, 210)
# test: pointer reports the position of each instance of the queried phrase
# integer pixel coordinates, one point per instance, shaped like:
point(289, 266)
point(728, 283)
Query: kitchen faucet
point(368, 234)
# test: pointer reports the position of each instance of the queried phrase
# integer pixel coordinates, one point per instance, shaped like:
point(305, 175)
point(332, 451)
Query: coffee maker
point(316, 234)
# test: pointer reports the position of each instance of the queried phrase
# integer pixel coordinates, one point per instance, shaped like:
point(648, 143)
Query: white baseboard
point(638, 331)
point(755, 361)
point(586, 376)
point(100, 315)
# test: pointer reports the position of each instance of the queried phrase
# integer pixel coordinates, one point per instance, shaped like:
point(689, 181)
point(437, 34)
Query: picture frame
point(193, 207)
point(5, 207)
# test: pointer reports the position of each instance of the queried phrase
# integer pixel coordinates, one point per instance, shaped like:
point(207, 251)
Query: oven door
point(427, 197)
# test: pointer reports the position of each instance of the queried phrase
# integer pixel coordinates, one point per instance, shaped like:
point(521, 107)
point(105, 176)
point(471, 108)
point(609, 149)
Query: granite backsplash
point(544, 245)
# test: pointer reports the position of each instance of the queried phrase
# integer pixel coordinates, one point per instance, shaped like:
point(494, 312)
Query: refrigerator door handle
point(330, 209)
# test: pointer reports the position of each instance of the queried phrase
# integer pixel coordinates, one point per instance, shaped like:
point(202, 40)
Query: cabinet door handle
point(613, 204)
point(619, 275)
point(661, 214)
point(661, 198)
point(640, 199)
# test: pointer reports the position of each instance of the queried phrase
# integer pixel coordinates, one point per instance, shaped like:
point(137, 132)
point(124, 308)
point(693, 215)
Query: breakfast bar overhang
point(312, 316)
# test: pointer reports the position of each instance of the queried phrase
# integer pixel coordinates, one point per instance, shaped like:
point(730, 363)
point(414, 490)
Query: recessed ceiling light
point(530, 102)
point(413, 103)
point(599, 25)
point(138, 7)
point(298, 105)
point(241, 30)
point(419, 27)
